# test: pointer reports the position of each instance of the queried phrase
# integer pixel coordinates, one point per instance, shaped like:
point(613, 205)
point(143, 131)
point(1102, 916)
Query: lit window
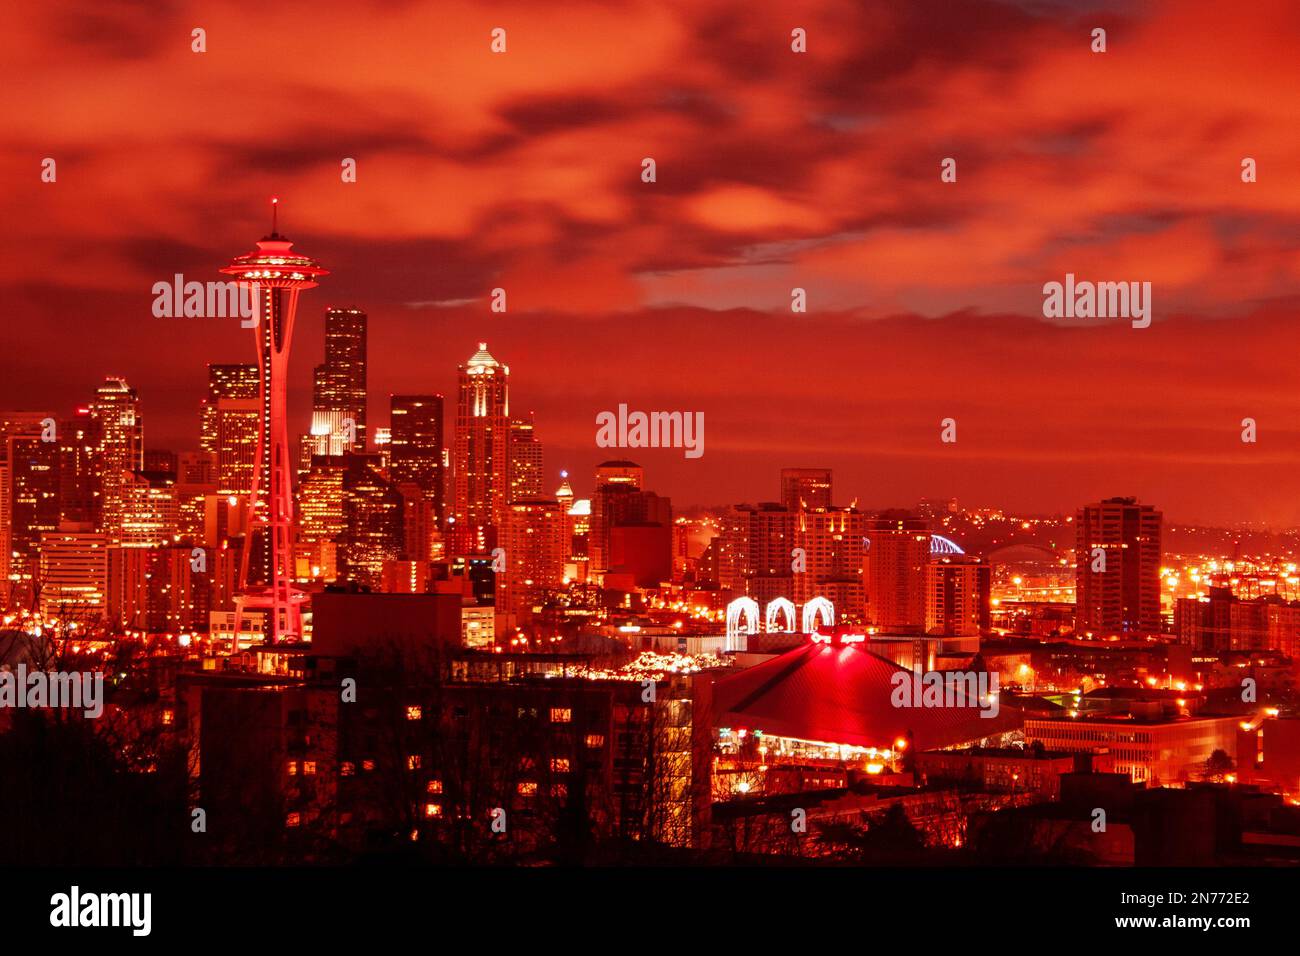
point(595, 740)
point(435, 786)
point(527, 788)
point(292, 819)
point(413, 762)
point(433, 809)
point(292, 767)
point(561, 715)
point(367, 765)
point(559, 765)
point(414, 712)
point(167, 717)
point(309, 766)
point(347, 768)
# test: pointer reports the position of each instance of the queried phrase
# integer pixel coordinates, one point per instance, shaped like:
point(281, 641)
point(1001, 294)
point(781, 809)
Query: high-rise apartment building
point(1117, 574)
point(830, 557)
point(755, 551)
point(957, 596)
point(896, 561)
point(158, 590)
point(533, 536)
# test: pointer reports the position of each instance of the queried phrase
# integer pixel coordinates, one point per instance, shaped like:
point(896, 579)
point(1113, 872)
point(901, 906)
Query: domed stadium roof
point(842, 694)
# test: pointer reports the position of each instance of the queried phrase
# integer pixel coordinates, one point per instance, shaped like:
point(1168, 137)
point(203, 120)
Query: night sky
point(775, 170)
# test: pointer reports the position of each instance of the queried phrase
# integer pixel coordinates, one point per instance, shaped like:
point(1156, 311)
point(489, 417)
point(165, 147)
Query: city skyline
point(660, 461)
point(848, 440)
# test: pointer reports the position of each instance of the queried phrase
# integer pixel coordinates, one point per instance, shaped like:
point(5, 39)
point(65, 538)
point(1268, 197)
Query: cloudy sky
point(775, 170)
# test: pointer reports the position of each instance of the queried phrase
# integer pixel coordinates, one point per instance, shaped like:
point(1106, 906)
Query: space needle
point(276, 275)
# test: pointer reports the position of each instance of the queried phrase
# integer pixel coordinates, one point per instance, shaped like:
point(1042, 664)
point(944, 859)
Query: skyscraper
point(15, 423)
point(279, 276)
point(116, 410)
point(374, 529)
point(415, 446)
point(339, 383)
point(482, 460)
point(30, 483)
point(79, 489)
point(525, 460)
point(1117, 573)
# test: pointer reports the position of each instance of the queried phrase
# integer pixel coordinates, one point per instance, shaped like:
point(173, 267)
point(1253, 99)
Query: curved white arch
point(941, 545)
point(741, 607)
point(781, 607)
point(817, 607)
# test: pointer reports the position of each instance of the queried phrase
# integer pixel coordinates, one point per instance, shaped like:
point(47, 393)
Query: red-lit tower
point(276, 276)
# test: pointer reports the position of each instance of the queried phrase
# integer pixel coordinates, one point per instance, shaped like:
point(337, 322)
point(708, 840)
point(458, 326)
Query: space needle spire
point(277, 275)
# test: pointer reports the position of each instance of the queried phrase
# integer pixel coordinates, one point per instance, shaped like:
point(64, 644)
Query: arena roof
point(841, 694)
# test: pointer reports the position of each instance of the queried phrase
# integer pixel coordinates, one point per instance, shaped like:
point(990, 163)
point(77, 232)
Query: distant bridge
point(1029, 547)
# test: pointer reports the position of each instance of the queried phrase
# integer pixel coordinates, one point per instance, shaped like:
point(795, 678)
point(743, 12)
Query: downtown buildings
point(888, 571)
point(800, 547)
